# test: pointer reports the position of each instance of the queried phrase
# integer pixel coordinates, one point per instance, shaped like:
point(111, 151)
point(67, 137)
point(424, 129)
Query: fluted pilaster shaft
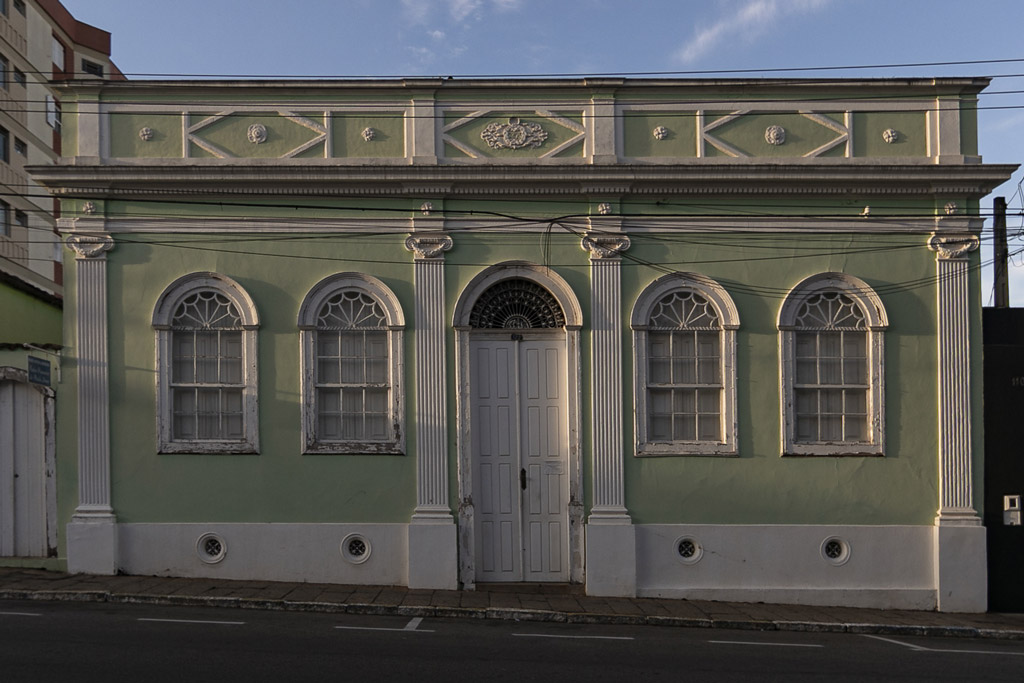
point(431, 372)
point(93, 385)
point(956, 505)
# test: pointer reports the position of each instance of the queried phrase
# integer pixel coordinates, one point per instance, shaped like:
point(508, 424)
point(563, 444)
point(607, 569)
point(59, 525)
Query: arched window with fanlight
point(684, 347)
point(831, 330)
point(351, 337)
point(205, 327)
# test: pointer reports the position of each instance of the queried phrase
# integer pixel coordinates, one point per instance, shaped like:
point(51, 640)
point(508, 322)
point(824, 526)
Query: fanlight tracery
point(206, 310)
point(516, 304)
point(830, 311)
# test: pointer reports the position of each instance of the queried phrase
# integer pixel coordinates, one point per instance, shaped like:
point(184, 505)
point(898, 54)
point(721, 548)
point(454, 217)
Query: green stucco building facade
point(708, 339)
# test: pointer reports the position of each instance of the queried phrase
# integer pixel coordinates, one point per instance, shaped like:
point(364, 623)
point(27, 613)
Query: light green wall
point(279, 484)
point(911, 140)
point(388, 140)
point(166, 141)
point(27, 319)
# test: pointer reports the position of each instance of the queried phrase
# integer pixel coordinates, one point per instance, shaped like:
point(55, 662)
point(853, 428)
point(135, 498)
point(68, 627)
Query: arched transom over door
point(520, 447)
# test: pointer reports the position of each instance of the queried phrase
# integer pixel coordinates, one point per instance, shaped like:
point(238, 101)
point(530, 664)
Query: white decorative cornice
point(953, 246)
point(87, 246)
point(428, 246)
point(605, 246)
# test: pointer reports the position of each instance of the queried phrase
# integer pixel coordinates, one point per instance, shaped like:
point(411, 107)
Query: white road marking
point(919, 648)
point(411, 627)
point(555, 635)
point(20, 614)
point(413, 623)
point(754, 642)
point(193, 621)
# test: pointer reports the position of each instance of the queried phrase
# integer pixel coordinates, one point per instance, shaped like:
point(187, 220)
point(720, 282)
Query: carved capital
point(88, 246)
point(605, 246)
point(953, 246)
point(428, 246)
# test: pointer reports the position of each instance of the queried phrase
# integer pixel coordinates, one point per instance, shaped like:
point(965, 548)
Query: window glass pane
point(328, 344)
point(659, 408)
point(328, 371)
point(182, 352)
point(206, 357)
point(208, 406)
point(684, 428)
point(183, 425)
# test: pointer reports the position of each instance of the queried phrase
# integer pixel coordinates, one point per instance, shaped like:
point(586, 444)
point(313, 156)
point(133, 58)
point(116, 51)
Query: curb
point(513, 614)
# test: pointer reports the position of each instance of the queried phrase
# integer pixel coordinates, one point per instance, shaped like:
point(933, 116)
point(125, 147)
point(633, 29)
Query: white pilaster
point(92, 533)
point(611, 540)
point(960, 561)
point(433, 545)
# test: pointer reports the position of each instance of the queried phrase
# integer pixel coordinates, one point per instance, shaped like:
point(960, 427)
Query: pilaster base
point(433, 554)
point(92, 544)
point(611, 558)
point(961, 569)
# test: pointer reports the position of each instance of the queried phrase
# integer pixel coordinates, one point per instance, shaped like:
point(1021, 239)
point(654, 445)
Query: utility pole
point(1002, 279)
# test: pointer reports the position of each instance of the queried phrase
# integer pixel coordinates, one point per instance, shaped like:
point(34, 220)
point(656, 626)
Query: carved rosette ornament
point(660, 133)
point(88, 246)
point(890, 135)
point(369, 134)
point(605, 246)
point(951, 208)
point(775, 135)
point(428, 246)
point(426, 208)
point(953, 246)
point(146, 134)
point(89, 208)
point(257, 133)
point(513, 135)
point(604, 208)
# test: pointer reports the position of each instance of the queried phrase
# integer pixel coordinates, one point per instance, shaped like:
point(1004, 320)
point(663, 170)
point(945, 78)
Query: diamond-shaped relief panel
point(257, 135)
point(506, 134)
point(747, 134)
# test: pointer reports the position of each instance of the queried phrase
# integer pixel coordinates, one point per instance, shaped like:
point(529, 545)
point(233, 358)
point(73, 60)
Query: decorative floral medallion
point(775, 135)
point(514, 135)
point(951, 208)
point(369, 134)
point(426, 208)
point(89, 208)
point(604, 208)
point(890, 135)
point(257, 133)
point(146, 133)
point(660, 133)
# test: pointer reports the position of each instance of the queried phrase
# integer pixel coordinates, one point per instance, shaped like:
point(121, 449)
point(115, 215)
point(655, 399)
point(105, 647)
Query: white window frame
point(395, 324)
point(729, 318)
point(163, 313)
point(876, 321)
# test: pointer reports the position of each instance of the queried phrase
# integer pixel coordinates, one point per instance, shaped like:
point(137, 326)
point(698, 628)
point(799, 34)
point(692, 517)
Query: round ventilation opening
point(835, 551)
point(355, 548)
point(211, 548)
point(688, 550)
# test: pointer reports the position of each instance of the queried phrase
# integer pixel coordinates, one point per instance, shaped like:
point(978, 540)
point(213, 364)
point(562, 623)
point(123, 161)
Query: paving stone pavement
point(524, 602)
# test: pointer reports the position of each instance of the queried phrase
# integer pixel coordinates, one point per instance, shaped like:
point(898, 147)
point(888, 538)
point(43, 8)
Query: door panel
point(22, 471)
point(520, 455)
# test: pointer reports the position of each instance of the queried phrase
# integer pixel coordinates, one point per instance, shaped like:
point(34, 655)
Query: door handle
point(522, 478)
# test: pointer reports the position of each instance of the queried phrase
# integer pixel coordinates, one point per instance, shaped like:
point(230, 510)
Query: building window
point(831, 329)
point(684, 342)
point(20, 6)
point(58, 54)
point(19, 78)
point(53, 113)
point(5, 219)
point(4, 70)
point(206, 367)
point(92, 68)
point(5, 145)
point(3, 7)
point(20, 147)
point(21, 219)
point(351, 337)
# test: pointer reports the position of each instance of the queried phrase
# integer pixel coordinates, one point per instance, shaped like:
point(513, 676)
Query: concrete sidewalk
point(525, 602)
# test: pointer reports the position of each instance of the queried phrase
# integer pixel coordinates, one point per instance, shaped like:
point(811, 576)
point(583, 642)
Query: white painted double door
point(23, 480)
point(520, 468)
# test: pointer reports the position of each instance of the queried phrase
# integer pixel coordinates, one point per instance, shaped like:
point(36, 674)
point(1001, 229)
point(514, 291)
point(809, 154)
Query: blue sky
point(534, 37)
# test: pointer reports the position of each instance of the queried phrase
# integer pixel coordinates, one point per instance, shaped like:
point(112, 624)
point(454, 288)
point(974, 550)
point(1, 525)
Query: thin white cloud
point(461, 9)
point(416, 11)
point(507, 5)
point(751, 20)
point(436, 35)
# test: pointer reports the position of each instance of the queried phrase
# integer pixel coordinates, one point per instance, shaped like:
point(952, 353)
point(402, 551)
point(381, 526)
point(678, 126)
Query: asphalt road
point(61, 641)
